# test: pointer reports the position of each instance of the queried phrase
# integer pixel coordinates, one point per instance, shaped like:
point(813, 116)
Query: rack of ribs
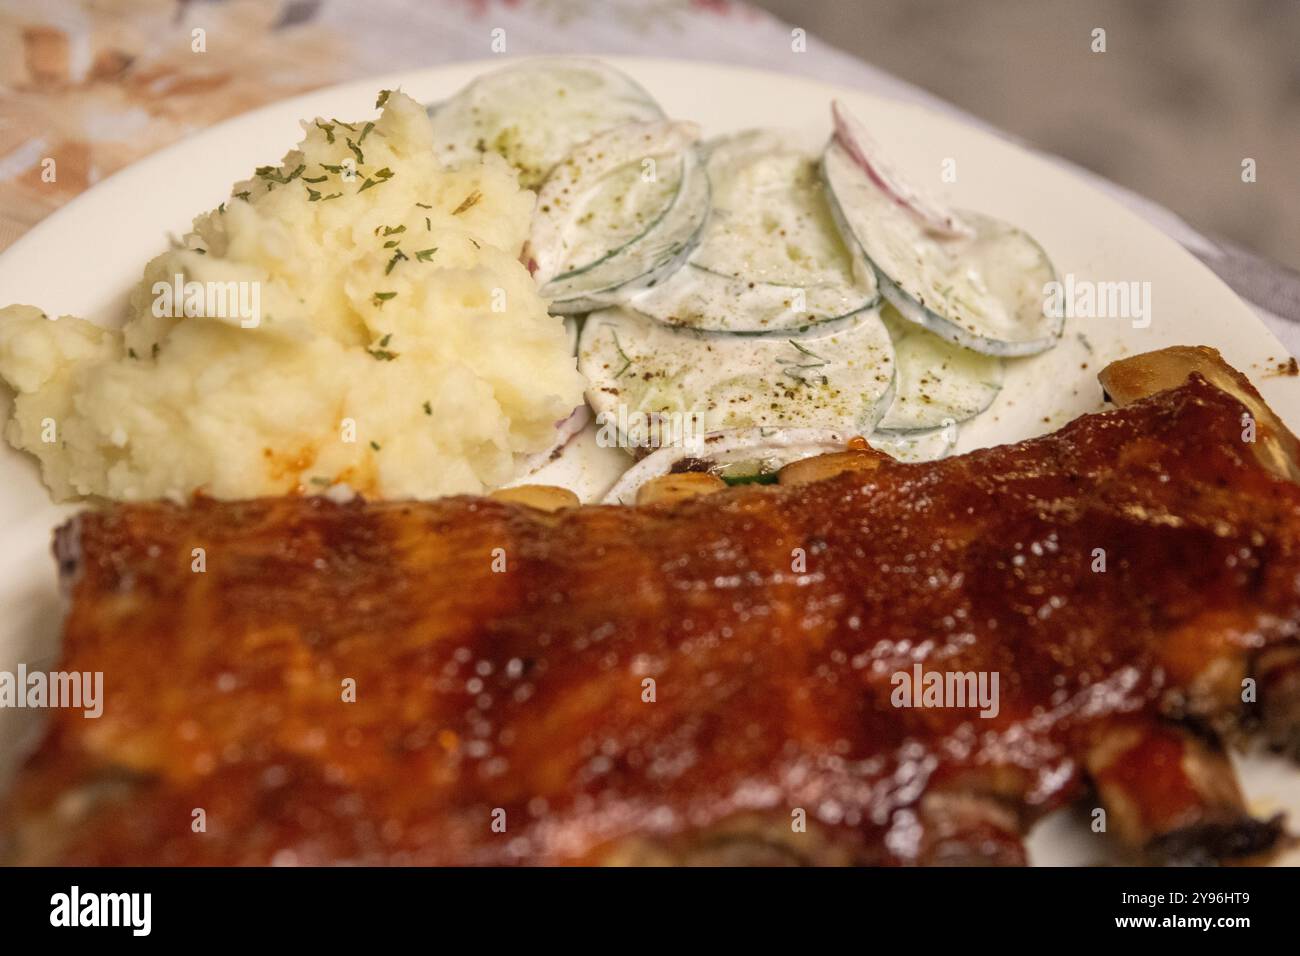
point(715, 680)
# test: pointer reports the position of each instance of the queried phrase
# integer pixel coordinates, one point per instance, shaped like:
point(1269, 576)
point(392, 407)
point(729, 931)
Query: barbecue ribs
point(469, 681)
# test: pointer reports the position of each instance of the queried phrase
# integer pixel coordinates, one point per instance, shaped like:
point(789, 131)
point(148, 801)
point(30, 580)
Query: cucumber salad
point(779, 300)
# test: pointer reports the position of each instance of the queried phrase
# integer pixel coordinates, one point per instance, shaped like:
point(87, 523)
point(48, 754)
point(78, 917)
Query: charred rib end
point(1208, 844)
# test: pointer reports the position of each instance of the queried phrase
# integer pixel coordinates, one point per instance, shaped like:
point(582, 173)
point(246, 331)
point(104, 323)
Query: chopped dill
point(273, 175)
point(380, 176)
point(627, 362)
point(467, 202)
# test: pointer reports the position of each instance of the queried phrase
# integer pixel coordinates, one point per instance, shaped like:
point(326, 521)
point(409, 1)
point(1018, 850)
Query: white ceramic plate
point(84, 258)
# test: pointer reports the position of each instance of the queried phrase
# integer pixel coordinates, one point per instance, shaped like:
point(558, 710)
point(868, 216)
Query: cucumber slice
point(641, 371)
point(862, 149)
point(536, 112)
point(770, 257)
point(621, 211)
point(915, 446)
point(938, 382)
point(983, 292)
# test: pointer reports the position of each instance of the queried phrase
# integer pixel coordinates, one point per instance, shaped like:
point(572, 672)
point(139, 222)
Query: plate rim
point(34, 236)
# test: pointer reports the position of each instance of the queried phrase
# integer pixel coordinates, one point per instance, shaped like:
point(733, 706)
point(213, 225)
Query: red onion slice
point(857, 142)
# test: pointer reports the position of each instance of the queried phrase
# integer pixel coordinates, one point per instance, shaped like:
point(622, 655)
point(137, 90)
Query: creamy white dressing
point(770, 219)
point(614, 212)
point(915, 446)
point(770, 256)
point(618, 213)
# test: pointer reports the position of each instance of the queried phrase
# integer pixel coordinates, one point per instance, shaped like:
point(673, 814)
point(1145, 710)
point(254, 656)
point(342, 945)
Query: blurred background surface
point(1184, 92)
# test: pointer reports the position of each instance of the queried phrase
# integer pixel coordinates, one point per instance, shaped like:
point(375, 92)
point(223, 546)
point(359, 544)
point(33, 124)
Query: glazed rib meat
point(468, 681)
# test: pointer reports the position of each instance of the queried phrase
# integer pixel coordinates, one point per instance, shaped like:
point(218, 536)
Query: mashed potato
point(357, 314)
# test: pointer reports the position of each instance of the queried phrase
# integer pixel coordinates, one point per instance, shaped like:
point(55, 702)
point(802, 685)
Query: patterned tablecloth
point(97, 85)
